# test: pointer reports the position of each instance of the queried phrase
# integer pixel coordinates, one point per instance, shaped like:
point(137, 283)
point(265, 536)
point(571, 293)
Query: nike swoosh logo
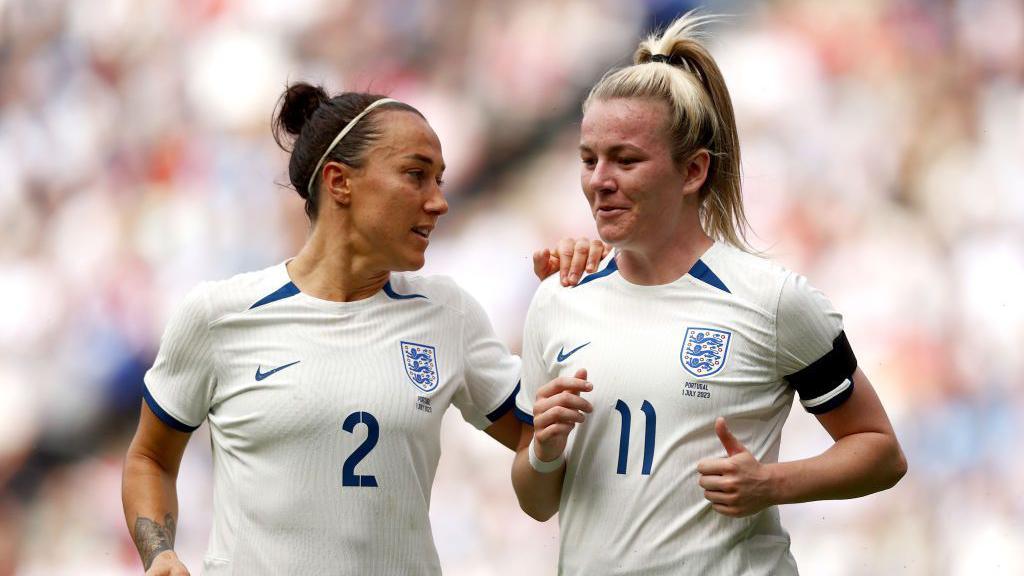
point(563, 355)
point(262, 375)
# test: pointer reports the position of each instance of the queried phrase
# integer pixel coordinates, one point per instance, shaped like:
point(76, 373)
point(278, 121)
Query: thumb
point(541, 265)
point(731, 444)
point(581, 374)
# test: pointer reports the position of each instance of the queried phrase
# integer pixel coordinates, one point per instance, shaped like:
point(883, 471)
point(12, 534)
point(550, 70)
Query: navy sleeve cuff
point(505, 406)
point(163, 415)
point(523, 416)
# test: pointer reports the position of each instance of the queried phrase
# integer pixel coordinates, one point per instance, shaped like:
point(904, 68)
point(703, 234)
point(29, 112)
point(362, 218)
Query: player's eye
point(588, 161)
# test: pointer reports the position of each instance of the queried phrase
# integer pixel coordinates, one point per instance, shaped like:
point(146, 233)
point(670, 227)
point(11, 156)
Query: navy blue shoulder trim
point(505, 406)
point(289, 289)
point(612, 266)
point(701, 272)
point(396, 296)
point(164, 416)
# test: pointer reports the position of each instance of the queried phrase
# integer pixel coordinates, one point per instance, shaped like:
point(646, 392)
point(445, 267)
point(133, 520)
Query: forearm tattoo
point(152, 538)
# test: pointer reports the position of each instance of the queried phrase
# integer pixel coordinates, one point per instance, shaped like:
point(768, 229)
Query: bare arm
point(865, 458)
point(506, 430)
point(556, 412)
point(539, 494)
point(149, 492)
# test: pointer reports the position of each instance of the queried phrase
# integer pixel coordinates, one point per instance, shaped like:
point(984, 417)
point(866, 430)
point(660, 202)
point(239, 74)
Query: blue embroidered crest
point(704, 350)
point(420, 365)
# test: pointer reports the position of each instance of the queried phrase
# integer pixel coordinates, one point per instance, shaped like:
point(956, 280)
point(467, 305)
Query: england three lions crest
point(704, 350)
point(420, 365)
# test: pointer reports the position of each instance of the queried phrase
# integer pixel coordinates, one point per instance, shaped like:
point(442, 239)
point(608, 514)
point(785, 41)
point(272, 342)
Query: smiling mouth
point(610, 211)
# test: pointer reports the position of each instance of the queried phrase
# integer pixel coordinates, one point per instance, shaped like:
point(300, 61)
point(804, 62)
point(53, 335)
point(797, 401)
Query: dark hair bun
point(298, 103)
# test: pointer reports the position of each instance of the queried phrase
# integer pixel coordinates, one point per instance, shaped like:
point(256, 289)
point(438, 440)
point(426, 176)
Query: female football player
point(325, 378)
point(656, 390)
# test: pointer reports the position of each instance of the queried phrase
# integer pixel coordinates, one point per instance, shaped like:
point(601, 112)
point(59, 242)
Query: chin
point(412, 264)
point(612, 236)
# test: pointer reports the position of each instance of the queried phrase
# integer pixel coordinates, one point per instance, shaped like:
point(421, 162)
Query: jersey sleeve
point(536, 372)
point(812, 352)
point(180, 385)
point(491, 372)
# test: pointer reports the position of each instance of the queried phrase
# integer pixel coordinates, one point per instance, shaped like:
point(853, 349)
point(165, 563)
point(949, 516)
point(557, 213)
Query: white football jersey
point(734, 337)
point(325, 416)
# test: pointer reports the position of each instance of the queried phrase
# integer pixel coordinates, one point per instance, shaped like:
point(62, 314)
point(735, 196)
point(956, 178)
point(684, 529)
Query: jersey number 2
point(649, 429)
point(348, 469)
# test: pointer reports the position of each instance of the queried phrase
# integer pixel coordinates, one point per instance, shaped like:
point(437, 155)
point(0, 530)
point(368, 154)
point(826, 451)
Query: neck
point(330, 267)
point(666, 259)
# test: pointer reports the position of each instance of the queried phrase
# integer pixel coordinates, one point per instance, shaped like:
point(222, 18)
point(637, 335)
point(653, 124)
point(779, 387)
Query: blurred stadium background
point(883, 148)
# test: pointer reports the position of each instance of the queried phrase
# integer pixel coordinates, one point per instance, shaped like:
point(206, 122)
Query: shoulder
point(208, 302)
point(772, 287)
point(551, 296)
point(550, 289)
point(752, 277)
point(245, 291)
point(438, 291)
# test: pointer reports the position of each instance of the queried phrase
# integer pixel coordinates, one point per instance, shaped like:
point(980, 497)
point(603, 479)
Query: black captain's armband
point(828, 381)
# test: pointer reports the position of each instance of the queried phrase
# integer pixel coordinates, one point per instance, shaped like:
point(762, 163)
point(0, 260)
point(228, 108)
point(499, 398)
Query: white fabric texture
point(624, 511)
point(308, 399)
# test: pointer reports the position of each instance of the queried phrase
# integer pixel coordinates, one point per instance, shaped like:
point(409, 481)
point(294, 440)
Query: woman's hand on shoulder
point(570, 258)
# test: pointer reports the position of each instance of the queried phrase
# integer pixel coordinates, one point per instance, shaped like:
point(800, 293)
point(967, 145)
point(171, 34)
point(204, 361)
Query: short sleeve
point(491, 372)
point(812, 351)
point(536, 372)
point(180, 385)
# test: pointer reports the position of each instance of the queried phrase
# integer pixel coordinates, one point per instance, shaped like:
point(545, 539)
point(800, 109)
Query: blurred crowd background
point(883, 146)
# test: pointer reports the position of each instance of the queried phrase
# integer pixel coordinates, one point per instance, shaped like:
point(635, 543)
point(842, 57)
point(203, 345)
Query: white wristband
point(542, 466)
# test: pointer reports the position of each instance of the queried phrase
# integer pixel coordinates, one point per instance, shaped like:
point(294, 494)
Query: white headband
point(345, 130)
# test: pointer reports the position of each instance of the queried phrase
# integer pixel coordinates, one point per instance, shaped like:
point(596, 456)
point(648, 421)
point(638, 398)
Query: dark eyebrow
point(424, 159)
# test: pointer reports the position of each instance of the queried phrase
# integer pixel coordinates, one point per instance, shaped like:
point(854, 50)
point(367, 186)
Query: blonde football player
point(656, 390)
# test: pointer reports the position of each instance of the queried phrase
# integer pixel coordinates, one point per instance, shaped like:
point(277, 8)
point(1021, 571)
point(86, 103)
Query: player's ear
point(337, 179)
point(695, 171)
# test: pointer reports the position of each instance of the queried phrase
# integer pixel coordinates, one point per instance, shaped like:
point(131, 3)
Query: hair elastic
point(345, 130)
point(674, 59)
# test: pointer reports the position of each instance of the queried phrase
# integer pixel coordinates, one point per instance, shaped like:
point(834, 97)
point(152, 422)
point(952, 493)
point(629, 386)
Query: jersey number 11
point(649, 429)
